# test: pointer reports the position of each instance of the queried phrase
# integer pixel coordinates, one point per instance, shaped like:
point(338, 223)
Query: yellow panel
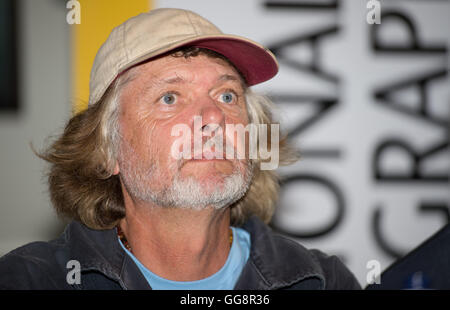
point(98, 18)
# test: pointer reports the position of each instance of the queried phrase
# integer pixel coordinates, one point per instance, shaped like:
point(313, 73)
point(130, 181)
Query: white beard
point(186, 193)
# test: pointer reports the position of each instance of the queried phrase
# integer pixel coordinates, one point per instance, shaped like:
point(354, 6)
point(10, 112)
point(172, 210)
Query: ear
point(116, 169)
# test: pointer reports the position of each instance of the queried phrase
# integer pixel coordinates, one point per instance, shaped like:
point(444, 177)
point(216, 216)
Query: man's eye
point(227, 97)
point(169, 98)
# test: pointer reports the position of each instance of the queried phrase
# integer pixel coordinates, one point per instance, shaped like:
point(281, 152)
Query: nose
point(211, 115)
point(210, 129)
point(207, 119)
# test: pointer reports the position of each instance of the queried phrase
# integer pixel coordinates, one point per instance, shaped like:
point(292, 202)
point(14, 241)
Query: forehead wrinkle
point(154, 81)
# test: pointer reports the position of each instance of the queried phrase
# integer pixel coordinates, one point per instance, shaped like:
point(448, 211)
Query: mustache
point(210, 148)
point(216, 147)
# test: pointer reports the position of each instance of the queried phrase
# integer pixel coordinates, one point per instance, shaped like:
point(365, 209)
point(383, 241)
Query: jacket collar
point(99, 250)
point(275, 262)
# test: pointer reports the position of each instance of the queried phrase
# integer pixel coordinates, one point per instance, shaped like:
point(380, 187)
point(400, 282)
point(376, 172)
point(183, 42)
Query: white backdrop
point(368, 106)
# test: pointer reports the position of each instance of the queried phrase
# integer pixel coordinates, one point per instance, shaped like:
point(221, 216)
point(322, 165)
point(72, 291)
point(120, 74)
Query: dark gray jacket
point(275, 262)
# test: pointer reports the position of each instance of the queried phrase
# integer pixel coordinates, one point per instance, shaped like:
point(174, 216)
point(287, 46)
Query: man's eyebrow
point(229, 77)
point(234, 78)
point(174, 80)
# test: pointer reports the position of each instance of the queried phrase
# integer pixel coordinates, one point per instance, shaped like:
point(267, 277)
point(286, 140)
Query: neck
point(177, 244)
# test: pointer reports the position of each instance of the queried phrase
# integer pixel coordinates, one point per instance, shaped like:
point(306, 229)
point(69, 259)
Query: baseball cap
point(159, 31)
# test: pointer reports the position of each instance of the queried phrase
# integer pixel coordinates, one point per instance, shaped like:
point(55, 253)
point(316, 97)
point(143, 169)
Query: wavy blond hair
point(81, 181)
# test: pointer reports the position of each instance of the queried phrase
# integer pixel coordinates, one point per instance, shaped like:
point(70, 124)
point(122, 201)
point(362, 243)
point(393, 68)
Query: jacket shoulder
point(282, 263)
point(36, 265)
point(337, 275)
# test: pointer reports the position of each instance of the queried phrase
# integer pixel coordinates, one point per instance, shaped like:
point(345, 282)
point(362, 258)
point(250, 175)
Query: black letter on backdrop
point(414, 45)
point(302, 5)
point(382, 241)
point(328, 186)
point(421, 83)
point(417, 159)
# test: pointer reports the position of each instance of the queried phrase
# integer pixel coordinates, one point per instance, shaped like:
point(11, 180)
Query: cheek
point(137, 134)
point(237, 136)
point(158, 144)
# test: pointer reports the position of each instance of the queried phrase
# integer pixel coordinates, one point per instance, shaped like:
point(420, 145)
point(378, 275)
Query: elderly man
point(151, 208)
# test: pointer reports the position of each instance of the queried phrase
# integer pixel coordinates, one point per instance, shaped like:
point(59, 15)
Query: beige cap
point(150, 34)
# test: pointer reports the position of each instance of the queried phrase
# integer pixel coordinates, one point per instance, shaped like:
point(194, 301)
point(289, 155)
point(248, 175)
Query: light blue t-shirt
point(224, 279)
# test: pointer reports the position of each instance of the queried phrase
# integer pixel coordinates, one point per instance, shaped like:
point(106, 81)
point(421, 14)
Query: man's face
point(173, 91)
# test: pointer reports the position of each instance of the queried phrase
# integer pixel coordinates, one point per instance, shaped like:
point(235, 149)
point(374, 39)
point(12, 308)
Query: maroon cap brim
point(256, 63)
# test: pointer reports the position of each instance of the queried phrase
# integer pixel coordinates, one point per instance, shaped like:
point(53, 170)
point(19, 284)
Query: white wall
point(25, 210)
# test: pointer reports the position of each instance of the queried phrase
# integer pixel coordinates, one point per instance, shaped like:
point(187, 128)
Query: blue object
point(425, 267)
point(224, 279)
